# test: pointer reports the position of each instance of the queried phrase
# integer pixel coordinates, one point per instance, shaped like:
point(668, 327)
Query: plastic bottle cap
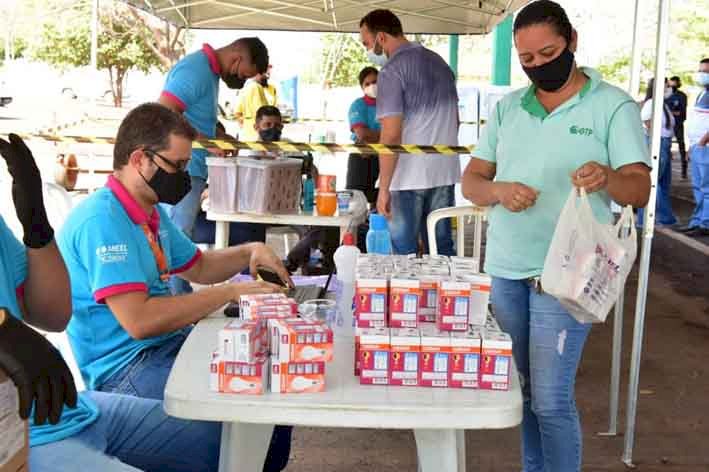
point(348, 239)
point(378, 222)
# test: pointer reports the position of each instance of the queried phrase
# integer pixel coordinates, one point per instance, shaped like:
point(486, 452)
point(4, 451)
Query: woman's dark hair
point(544, 12)
point(648, 96)
point(382, 21)
point(366, 72)
point(148, 126)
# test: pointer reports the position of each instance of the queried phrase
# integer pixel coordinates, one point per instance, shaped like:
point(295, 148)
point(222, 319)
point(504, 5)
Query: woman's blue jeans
point(547, 347)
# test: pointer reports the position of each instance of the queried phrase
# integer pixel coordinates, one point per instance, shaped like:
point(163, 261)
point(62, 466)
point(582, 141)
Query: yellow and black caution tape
point(329, 120)
point(283, 146)
point(57, 128)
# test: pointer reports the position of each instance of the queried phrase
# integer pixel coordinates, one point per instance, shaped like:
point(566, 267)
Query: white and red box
point(404, 302)
point(241, 341)
point(495, 361)
point(247, 378)
point(428, 305)
point(465, 264)
point(357, 365)
point(374, 345)
point(435, 357)
point(465, 359)
point(371, 302)
point(269, 308)
point(301, 341)
point(453, 305)
point(404, 356)
point(214, 371)
point(297, 377)
point(480, 285)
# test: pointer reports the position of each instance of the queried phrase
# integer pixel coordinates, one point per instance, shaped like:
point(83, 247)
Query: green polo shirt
point(539, 149)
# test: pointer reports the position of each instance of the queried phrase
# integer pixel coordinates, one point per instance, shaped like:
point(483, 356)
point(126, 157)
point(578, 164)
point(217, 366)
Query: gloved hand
point(36, 368)
point(27, 192)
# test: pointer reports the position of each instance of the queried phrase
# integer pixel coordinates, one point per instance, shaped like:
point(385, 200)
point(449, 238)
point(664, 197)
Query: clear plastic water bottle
point(378, 237)
point(345, 261)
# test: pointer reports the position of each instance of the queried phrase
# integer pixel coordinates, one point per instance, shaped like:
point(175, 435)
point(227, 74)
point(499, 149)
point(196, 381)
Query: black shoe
point(687, 229)
point(697, 232)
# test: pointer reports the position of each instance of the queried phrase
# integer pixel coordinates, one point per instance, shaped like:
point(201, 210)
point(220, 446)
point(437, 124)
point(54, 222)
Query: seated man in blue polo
point(95, 431)
point(121, 248)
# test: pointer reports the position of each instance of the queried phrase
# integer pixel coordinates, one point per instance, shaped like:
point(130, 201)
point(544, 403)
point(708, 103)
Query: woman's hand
point(262, 255)
point(515, 196)
point(591, 176)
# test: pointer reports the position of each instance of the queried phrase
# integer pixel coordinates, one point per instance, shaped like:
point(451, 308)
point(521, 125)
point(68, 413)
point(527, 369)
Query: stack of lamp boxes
point(271, 348)
point(425, 322)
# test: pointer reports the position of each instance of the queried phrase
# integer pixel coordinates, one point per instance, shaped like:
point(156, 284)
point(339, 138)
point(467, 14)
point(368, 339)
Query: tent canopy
point(417, 16)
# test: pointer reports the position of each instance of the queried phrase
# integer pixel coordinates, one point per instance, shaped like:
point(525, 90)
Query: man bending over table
point(120, 249)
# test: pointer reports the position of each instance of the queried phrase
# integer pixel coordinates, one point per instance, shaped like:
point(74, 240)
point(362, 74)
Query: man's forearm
point(387, 165)
point(167, 314)
point(47, 291)
point(221, 264)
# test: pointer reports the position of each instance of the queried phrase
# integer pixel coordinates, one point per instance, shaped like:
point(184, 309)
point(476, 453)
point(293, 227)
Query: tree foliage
point(126, 41)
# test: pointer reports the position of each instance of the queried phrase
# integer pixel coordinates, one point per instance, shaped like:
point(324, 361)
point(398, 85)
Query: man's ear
point(136, 158)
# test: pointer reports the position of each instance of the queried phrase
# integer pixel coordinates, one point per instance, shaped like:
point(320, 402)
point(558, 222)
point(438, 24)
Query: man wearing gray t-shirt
point(417, 103)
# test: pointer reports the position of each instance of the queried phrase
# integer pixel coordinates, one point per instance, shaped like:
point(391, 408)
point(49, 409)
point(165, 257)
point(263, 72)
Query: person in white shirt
point(663, 205)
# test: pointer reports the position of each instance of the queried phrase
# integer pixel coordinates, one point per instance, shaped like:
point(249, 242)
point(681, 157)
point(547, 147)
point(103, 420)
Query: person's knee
point(552, 403)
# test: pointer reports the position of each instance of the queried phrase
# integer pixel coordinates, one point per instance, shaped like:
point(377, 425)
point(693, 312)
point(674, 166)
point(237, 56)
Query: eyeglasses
point(180, 165)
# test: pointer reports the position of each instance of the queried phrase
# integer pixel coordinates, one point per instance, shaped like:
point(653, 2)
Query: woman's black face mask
point(551, 76)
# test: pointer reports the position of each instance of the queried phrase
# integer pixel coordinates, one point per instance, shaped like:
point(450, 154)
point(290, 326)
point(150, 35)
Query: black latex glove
point(37, 369)
point(27, 192)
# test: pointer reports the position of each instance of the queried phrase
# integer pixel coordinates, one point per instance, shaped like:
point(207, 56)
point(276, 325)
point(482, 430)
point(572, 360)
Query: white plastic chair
point(476, 213)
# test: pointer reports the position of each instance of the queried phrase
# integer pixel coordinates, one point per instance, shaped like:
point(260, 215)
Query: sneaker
point(687, 229)
point(698, 232)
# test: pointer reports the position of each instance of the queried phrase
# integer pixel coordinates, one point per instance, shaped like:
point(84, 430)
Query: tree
point(342, 57)
point(166, 42)
point(122, 45)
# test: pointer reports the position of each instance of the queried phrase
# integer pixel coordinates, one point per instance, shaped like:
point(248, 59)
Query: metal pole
point(657, 104)
point(94, 34)
point(616, 360)
point(453, 42)
point(636, 53)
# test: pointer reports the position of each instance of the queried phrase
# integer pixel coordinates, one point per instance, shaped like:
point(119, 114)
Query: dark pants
point(362, 174)
point(679, 134)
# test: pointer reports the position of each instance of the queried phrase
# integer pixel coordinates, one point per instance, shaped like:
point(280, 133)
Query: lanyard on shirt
point(157, 253)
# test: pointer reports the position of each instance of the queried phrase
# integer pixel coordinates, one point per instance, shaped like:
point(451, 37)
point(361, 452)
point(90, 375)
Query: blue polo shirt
point(193, 85)
point(13, 272)
point(363, 114)
point(107, 253)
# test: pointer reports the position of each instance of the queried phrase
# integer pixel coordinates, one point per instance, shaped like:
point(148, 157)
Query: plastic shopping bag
point(588, 262)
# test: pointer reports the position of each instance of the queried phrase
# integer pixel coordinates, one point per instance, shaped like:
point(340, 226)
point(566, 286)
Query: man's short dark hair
point(544, 12)
point(267, 110)
point(366, 72)
point(704, 61)
point(675, 78)
point(257, 51)
point(148, 126)
point(382, 21)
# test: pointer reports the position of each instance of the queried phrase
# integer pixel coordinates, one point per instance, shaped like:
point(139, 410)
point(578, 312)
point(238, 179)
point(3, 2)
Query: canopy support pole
point(502, 52)
point(648, 231)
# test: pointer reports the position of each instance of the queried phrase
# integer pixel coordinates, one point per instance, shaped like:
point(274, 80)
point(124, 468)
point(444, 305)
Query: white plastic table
point(301, 218)
point(438, 417)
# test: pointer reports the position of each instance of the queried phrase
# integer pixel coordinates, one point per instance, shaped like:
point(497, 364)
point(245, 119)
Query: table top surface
point(345, 403)
point(300, 218)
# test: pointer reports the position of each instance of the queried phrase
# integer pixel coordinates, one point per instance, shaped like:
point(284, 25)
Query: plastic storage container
point(378, 237)
point(223, 195)
point(268, 186)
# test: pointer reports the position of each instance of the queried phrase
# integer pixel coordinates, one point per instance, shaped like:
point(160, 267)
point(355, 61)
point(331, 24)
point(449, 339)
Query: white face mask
point(374, 58)
point(668, 92)
point(371, 90)
point(702, 78)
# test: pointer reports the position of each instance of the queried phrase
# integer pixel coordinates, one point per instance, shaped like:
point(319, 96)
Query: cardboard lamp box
point(14, 447)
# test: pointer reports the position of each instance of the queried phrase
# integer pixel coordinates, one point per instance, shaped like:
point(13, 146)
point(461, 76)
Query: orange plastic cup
point(326, 203)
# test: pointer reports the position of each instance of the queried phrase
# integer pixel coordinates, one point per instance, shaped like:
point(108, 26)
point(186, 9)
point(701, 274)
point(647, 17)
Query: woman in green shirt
point(568, 129)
